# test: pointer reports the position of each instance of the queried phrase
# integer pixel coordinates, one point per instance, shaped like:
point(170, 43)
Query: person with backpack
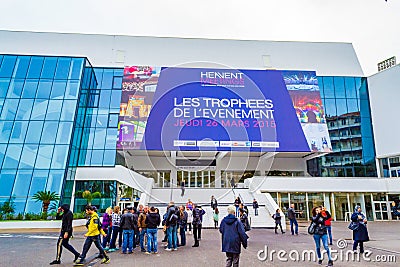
point(152, 221)
point(182, 222)
point(216, 217)
point(171, 223)
point(277, 217)
point(198, 213)
point(92, 236)
point(127, 225)
point(233, 237)
point(65, 234)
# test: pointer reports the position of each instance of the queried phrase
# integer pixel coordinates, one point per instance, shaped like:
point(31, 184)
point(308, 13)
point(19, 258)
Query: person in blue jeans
point(127, 225)
point(116, 218)
point(182, 223)
point(142, 227)
point(172, 225)
point(153, 220)
point(292, 220)
point(320, 233)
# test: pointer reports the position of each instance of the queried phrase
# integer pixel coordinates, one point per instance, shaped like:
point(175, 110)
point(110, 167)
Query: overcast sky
point(373, 26)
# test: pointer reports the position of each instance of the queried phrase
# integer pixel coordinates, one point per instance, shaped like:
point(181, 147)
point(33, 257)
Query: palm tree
point(89, 196)
point(46, 197)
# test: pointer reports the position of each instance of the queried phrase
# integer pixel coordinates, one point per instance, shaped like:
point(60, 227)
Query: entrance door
point(381, 210)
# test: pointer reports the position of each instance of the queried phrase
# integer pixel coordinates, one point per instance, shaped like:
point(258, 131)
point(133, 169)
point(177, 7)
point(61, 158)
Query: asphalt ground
point(38, 247)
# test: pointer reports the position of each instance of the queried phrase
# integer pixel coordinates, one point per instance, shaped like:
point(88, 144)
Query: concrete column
point(218, 174)
point(379, 169)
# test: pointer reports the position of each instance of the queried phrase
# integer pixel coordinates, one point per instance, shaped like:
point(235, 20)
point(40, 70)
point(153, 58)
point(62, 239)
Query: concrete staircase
point(160, 198)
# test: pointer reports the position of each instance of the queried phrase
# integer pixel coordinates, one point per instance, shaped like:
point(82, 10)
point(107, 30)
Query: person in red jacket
point(328, 222)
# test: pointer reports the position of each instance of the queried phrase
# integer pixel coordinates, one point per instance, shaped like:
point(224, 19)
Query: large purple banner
point(221, 110)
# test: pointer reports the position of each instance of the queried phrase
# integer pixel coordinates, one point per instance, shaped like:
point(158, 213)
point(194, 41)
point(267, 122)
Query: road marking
point(28, 236)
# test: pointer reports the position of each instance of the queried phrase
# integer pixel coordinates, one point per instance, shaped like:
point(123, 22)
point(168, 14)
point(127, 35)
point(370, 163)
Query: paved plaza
point(38, 248)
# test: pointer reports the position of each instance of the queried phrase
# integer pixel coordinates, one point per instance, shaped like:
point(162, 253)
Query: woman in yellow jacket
point(92, 236)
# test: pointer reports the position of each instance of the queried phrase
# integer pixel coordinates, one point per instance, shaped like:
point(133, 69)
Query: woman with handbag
point(359, 227)
point(321, 233)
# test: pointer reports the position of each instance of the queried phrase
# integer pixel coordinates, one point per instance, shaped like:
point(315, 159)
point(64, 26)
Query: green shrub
point(30, 216)
point(81, 215)
point(20, 216)
point(9, 216)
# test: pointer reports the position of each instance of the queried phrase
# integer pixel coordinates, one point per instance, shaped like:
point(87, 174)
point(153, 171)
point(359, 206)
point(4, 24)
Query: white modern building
point(357, 164)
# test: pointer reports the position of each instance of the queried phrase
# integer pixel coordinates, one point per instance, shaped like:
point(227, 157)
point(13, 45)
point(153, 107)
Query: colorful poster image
point(138, 87)
point(304, 91)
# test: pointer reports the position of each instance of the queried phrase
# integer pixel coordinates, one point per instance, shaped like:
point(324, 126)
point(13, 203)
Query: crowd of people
point(139, 227)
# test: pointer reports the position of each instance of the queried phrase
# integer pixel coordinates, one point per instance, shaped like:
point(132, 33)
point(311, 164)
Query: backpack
point(98, 221)
point(174, 218)
point(196, 216)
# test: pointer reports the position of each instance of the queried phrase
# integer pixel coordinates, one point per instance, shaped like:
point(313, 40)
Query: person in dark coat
point(214, 203)
point(197, 223)
point(233, 237)
point(66, 233)
point(360, 234)
point(255, 207)
point(277, 217)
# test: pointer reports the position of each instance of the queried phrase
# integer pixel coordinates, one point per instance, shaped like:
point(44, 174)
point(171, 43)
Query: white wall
point(112, 50)
point(384, 94)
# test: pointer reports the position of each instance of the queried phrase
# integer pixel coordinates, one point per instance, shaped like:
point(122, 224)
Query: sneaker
point(283, 233)
point(117, 248)
point(175, 249)
point(112, 250)
point(168, 249)
point(76, 257)
point(79, 262)
point(142, 250)
point(330, 263)
point(330, 244)
point(107, 249)
point(319, 261)
point(55, 262)
point(155, 252)
point(105, 260)
point(130, 252)
point(123, 252)
point(147, 253)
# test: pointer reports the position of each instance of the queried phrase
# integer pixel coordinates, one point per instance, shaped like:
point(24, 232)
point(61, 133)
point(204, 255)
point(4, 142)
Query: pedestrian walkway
point(39, 251)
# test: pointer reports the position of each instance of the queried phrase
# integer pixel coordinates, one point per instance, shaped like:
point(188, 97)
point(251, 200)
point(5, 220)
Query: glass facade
point(38, 104)
point(349, 123)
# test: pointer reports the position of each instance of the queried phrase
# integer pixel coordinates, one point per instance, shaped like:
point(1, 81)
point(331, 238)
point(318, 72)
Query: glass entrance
point(381, 210)
point(300, 204)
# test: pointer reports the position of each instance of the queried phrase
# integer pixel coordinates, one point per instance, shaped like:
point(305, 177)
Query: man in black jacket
point(127, 224)
point(66, 233)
